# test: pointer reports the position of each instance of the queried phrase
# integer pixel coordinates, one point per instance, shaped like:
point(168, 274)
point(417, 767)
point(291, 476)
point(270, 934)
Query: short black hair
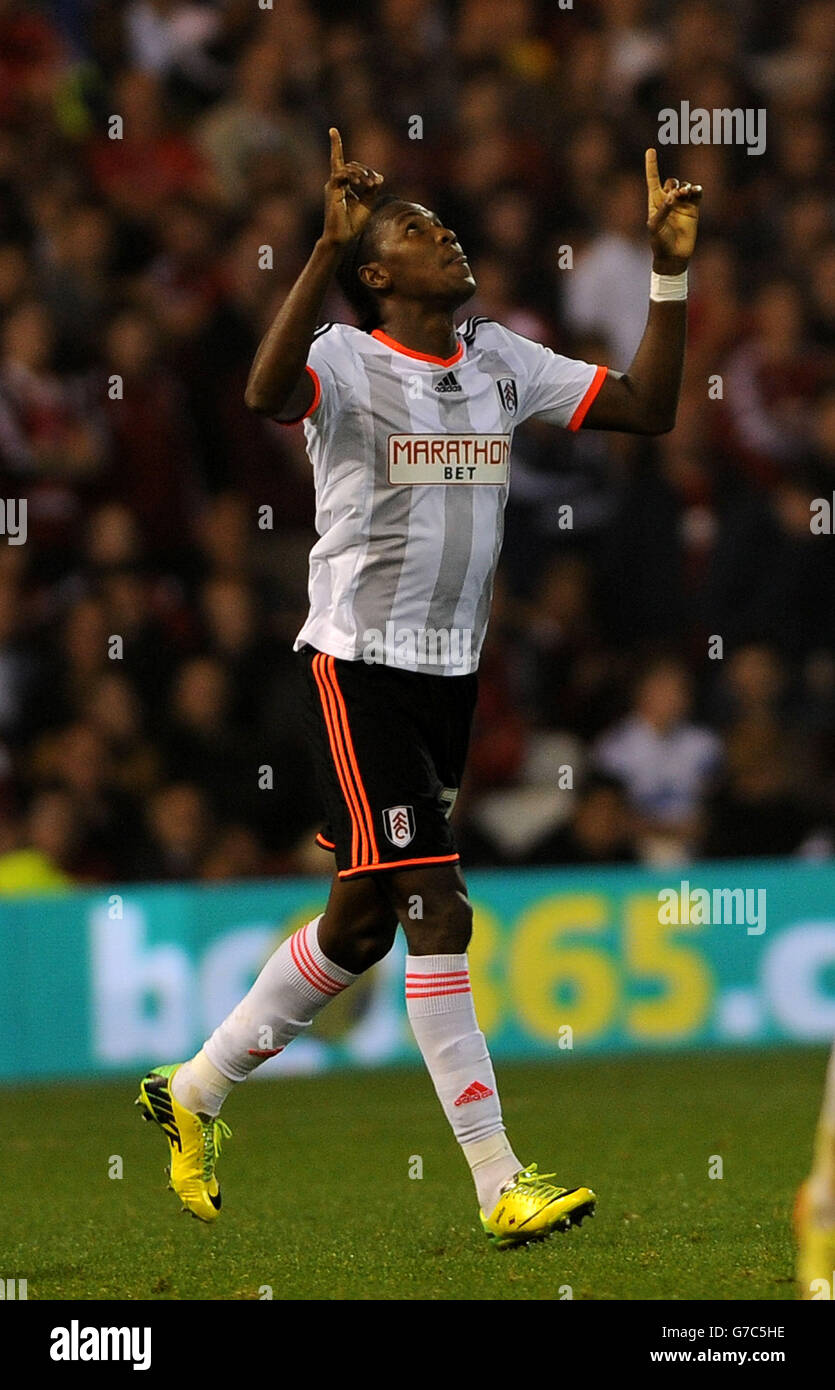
point(359, 252)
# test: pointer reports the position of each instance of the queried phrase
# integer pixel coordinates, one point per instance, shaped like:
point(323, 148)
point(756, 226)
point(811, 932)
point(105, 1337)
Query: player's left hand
point(672, 220)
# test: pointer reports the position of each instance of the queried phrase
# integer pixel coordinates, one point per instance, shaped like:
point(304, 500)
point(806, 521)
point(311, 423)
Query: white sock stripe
point(304, 969)
point(337, 973)
point(315, 977)
point(436, 984)
point(433, 993)
point(430, 979)
point(316, 958)
point(426, 1005)
point(437, 965)
point(463, 971)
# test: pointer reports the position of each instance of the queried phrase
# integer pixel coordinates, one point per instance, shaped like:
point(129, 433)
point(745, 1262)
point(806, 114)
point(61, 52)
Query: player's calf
point(433, 907)
point(517, 1204)
point(297, 982)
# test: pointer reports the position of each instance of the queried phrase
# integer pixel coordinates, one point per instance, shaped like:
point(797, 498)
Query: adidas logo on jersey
point(448, 383)
point(475, 1091)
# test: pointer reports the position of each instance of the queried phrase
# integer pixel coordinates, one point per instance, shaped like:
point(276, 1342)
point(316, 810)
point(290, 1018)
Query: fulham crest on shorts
point(399, 822)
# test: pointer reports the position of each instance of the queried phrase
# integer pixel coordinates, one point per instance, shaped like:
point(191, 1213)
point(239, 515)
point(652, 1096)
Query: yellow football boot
point(193, 1140)
point(815, 1249)
point(531, 1208)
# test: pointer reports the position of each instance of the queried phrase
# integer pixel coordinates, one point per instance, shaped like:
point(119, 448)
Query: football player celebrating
point(814, 1213)
point(409, 421)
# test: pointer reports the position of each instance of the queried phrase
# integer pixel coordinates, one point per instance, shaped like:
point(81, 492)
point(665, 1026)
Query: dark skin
point(421, 278)
point(359, 923)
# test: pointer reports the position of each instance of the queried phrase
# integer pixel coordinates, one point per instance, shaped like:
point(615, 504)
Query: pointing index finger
point(337, 158)
point(653, 181)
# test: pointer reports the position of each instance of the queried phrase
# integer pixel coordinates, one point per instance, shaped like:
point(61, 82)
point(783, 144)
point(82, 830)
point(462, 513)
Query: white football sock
point(200, 1087)
point(294, 986)
point(822, 1182)
point(493, 1165)
point(439, 1003)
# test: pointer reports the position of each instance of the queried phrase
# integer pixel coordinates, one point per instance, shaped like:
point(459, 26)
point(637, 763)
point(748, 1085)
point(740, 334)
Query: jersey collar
point(418, 356)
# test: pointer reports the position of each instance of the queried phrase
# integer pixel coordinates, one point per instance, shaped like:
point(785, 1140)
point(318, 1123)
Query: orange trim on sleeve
point(399, 864)
point(322, 842)
point(582, 409)
point(317, 396)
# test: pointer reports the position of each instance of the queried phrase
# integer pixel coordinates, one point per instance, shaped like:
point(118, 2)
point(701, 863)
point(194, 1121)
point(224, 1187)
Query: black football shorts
point(389, 748)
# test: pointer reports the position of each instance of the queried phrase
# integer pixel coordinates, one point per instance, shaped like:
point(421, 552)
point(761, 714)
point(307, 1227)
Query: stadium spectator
point(599, 832)
point(665, 761)
point(605, 293)
point(150, 434)
point(180, 828)
point(770, 382)
point(252, 125)
point(150, 161)
point(40, 862)
point(15, 670)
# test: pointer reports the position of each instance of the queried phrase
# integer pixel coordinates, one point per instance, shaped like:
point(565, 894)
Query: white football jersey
point(411, 463)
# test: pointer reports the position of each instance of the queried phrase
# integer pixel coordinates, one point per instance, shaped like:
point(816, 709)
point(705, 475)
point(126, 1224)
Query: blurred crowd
point(659, 678)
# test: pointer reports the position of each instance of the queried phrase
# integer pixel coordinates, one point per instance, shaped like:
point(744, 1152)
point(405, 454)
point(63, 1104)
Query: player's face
point(420, 258)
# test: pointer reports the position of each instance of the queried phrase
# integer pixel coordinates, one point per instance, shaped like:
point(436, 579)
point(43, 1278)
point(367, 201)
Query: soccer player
point(814, 1214)
point(409, 422)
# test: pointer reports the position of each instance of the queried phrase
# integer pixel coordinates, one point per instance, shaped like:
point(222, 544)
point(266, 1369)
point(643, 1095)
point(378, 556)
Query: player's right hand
point(349, 195)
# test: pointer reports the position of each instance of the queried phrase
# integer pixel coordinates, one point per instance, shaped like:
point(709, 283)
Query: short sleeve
point(554, 388)
point(331, 364)
point(327, 365)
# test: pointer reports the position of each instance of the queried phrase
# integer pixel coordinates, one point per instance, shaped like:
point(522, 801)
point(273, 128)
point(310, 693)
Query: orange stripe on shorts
point(358, 835)
point(331, 672)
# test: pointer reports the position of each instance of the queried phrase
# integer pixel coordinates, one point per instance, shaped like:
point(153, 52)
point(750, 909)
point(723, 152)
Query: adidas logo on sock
point(475, 1091)
point(449, 383)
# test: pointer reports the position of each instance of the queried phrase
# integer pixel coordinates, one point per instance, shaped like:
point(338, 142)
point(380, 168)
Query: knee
point(440, 926)
point(360, 941)
point(372, 940)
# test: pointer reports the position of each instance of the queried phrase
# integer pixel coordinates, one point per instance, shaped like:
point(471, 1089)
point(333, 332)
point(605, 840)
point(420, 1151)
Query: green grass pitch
point(318, 1202)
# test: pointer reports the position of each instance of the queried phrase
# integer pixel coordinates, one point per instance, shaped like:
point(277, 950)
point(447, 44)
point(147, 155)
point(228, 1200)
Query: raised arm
point(644, 399)
point(278, 384)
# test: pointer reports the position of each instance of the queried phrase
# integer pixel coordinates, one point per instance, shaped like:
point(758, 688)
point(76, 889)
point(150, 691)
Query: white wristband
point(668, 286)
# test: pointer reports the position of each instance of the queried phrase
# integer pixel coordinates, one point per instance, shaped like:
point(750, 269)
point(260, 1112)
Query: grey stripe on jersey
point(458, 530)
point(495, 364)
point(389, 520)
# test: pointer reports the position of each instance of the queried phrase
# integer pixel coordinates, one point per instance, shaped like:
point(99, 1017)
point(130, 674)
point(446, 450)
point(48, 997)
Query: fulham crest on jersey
point(506, 387)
